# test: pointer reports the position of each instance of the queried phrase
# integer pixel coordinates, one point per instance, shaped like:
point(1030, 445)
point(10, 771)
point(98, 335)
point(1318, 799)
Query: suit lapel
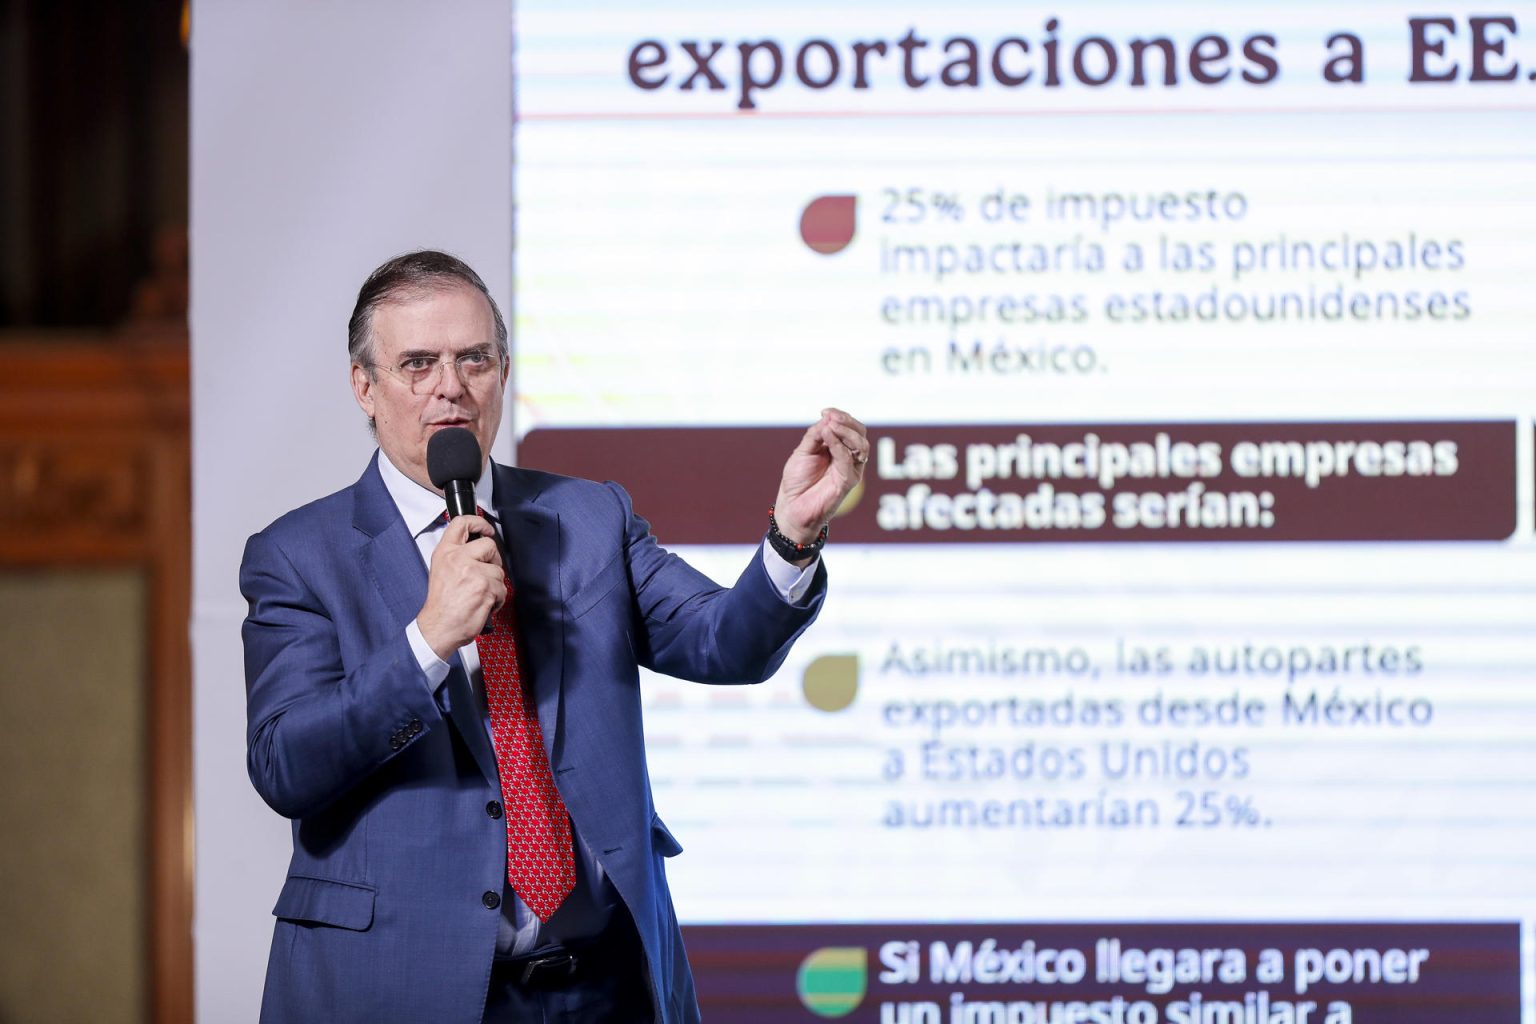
point(532, 536)
point(464, 711)
point(390, 558)
point(393, 562)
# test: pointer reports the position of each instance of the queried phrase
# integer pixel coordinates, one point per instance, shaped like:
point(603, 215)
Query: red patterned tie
point(541, 861)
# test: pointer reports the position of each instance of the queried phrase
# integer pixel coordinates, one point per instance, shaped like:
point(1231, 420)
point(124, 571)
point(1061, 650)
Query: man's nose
point(449, 383)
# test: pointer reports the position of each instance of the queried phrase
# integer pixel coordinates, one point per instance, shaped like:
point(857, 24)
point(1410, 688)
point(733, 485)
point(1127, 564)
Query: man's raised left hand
point(827, 464)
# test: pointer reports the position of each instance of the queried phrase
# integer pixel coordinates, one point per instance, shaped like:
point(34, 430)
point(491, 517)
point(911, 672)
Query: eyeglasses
point(420, 372)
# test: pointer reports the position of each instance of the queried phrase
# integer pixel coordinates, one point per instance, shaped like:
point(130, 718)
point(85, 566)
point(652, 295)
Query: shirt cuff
point(791, 581)
point(435, 668)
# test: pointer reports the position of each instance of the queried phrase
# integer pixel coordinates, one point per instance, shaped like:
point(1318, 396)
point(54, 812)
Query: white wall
point(326, 137)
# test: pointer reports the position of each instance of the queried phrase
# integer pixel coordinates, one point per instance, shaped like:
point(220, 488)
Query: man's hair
point(410, 276)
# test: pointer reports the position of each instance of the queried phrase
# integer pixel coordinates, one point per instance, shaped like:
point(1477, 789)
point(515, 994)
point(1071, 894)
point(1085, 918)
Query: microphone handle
point(461, 498)
point(460, 495)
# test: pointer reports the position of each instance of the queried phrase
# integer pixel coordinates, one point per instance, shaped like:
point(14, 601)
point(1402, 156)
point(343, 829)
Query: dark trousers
point(606, 984)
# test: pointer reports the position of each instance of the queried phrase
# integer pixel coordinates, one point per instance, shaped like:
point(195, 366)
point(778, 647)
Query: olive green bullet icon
point(831, 682)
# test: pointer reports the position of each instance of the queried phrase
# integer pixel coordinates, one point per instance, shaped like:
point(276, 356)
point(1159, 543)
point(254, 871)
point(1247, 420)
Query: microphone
point(454, 464)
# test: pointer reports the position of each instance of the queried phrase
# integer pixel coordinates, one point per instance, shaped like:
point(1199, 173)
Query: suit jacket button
point(395, 743)
point(493, 809)
point(415, 726)
point(490, 899)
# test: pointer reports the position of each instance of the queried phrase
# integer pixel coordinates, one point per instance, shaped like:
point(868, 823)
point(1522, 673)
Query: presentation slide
point(1178, 662)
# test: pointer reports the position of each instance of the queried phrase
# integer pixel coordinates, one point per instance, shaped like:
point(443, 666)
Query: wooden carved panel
point(95, 471)
point(47, 482)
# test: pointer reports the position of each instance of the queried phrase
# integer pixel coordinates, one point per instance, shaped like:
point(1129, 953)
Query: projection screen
point(1175, 664)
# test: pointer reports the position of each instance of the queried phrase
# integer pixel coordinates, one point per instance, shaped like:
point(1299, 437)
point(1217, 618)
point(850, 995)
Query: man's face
point(444, 323)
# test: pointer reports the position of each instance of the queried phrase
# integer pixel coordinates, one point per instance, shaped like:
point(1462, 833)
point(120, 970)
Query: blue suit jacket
point(382, 917)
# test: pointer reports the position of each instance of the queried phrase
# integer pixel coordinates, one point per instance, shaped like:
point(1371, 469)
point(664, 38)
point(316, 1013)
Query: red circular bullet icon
point(828, 223)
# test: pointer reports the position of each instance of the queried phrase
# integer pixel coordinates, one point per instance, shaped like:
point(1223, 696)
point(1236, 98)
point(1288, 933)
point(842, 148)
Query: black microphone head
point(453, 454)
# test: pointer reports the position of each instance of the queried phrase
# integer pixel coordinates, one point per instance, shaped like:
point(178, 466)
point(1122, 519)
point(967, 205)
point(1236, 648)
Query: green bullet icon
point(832, 981)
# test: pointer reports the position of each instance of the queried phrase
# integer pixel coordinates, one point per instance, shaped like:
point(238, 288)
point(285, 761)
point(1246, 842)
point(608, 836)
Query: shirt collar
point(421, 508)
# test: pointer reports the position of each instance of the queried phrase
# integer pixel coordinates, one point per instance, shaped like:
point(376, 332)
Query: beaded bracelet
point(788, 549)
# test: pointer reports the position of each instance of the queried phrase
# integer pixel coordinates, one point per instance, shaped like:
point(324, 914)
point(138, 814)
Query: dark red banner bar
point(1408, 481)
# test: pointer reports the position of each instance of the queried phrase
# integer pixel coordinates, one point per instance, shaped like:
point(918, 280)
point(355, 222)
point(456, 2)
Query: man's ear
point(362, 388)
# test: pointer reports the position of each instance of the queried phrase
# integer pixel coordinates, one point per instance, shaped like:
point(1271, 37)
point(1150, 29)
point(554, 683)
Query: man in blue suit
point(374, 726)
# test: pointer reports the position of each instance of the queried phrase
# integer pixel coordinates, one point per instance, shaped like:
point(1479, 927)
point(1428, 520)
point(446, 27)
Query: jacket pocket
point(661, 837)
point(324, 901)
point(598, 587)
